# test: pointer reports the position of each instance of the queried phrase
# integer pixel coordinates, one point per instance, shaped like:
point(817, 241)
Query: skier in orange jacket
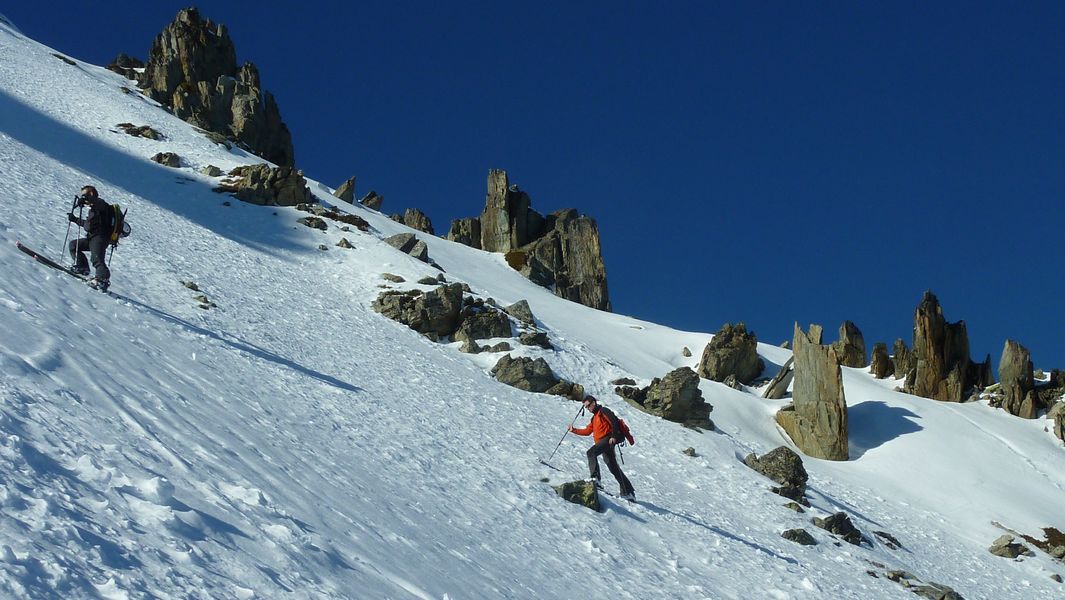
point(606, 431)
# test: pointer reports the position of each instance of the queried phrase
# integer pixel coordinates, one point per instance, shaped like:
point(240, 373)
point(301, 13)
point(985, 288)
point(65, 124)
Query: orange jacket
point(604, 424)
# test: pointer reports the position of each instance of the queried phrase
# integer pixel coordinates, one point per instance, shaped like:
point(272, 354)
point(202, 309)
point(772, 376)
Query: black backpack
point(119, 226)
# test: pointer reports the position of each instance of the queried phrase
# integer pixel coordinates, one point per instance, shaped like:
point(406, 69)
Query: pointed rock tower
point(817, 421)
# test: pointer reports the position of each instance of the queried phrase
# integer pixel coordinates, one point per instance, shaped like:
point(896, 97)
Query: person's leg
point(98, 248)
point(77, 248)
point(593, 457)
point(611, 459)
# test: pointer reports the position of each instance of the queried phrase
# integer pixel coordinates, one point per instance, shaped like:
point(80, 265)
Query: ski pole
point(67, 236)
point(579, 413)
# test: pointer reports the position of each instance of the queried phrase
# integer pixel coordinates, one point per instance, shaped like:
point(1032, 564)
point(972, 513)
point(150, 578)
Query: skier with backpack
point(103, 226)
point(607, 431)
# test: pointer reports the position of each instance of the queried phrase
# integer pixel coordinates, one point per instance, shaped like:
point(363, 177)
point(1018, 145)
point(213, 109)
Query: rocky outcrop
point(434, 313)
point(536, 338)
point(521, 311)
point(415, 219)
point(346, 191)
point(799, 536)
point(944, 370)
point(167, 159)
point(881, 365)
point(408, 243)
point(126, 66)
point(903, 358)
point(372, 200)
point(481, 321)
point(1056, 415)
point(1018, 382)
point(192, 69)
point(817, 419)
point(466, 231)
point(732, 351)
point(841, 525)
point(850, 348)
point(561, 251)
point(1006, 547)
point(675, 397)
point(785, 467)
point(778, 387)
point(579, 492)
point(263, 184)
point(525, 373)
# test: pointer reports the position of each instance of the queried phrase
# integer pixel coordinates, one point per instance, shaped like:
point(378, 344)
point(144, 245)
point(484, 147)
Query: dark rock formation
point(415, 219)
point(314, 223)
point(263, 184)
point(560, 251)
point(211, 171)
point(481, 323)
point(1005, 547)
point(676, 397)
point(732, 351)
point(785, 467)
point(1018, 382)
point(881, 366)
point(466, 231)
point(521, 311)
point(817, 420)
point(167, 159)
point(579, 492)
point(568, 389)
point(346, 191)
point(799, 536)
point(841, 525)
point(944, 370)
point(144, 131)
point(536, 338)
point(372, 200)
point(904, 360)
point(408, 243)
point(126, 66)
point(1056, 415)
point(850, 348)
point(192, 68)
point(435, 313)
point(778, 387)
point(525, 373)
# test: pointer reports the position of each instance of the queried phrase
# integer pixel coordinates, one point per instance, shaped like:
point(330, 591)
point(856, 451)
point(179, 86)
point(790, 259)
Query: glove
point(72, 217)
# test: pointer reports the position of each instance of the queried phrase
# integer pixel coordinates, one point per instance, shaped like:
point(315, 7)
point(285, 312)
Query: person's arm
point(582, 431)
point(615, 427)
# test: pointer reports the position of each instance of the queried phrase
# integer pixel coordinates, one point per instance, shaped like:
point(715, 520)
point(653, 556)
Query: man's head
point(88, 192)
point(591, 404)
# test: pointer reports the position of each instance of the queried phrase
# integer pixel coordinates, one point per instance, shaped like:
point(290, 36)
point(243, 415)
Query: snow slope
point(293, 443)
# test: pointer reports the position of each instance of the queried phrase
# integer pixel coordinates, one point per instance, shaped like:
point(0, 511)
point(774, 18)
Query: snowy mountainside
point(293, 443)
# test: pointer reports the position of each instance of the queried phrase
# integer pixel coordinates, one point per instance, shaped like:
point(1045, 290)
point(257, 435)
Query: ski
point(44, 260)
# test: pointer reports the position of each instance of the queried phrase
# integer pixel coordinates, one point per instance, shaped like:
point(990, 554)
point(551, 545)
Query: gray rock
point(192, 69)
point(392, 277)
point(732, 382)
point(904, 359)
point(314, 223)
point(799, 536)
point(507, 221)
point(466, 231)
point(470, 347)
point(689, 451)
point(521, 311)
point(785, 467)
point(125, 66)
point(676, 397)
point(344, 243)
point(500, 347)
point(483, 325)
point(795, 506)
point(889, 540)
point(579, 492)
point(167, 159)
point(732, 351)
point(944, 370)
point(143, 131)
point(850, 349)
point(429, 281)
point(346, 191)
point(372, 200)
point(415, 219)
point(266, 185)
point(817, 420)
point(568, 389)
point(1005, 547)
point(685, 352)
point(211, 171)
point(408, 243)
point(778, 386)
point(1056, 414)
point(536, 338)
point(881, 366)
point(623, 381)
point(435, 312)
point(1018, 381)
point(525, 373)
point(841, 525)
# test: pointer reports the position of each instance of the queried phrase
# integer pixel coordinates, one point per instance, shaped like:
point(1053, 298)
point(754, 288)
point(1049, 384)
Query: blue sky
point(757, 162)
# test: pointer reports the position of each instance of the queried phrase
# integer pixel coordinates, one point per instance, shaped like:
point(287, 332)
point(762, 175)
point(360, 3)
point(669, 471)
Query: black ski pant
point(606, 449)
point(97, 247)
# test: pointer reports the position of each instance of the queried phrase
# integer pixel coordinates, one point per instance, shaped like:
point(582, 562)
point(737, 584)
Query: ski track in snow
point(291, 442)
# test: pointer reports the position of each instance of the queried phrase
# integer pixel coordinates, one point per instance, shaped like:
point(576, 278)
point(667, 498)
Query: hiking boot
point(598, 485)
point(628, 496)
point(100, 284)
point(83, 271)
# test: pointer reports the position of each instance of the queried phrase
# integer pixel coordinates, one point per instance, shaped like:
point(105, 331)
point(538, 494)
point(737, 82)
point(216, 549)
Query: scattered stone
point(346, 191)
point(435, 311)
point(817, 419)
point(623, 381)
point(795, 506)
point(191, 285)
point(536, 338)
point(841, 525)
point(144, 131)
point(393, 278)
point(470, 347)
point(415, 219)
point(265, 185)
point(372, 200)
point(314, 223)
point(480, 324)
point(525, 373)
point(676, 397)
point(521, 311)
point(888, 540)
point(579, 492)
point(64, 59)
point(428, 280)
point(778, 387)
point(1005, 547)
point(126, 66)
point(344, 243)
point(732, 351)
point(733, 383)
point(799, 536)
point(785, 467)
point(408, 243)
point(500, 347)
point(567, 389)
point(167, 159)
point(211, 171)
point(685, 352)
point(1056, 577)
point(689, 451)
